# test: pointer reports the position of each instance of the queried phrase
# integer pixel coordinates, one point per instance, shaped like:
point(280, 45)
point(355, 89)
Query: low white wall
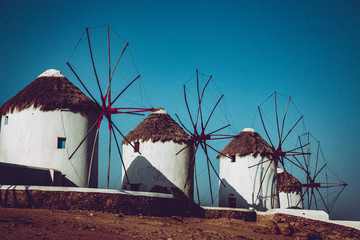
point(31, 137)
point(85, 190)
point(311, 214)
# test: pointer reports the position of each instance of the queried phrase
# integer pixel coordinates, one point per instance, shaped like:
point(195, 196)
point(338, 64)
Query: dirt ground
point(79, 224)
point(16, 223)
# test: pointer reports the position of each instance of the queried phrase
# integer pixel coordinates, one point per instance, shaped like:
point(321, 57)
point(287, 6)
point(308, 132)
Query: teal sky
point(309, 50)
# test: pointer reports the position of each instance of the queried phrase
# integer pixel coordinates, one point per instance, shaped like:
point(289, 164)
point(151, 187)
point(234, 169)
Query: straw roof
point(158, 126)
point(287, 183)
point(245, 143)
point(48, 92)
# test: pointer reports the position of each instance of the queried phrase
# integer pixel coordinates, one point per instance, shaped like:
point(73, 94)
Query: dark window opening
point(137, 147)
point(61, 143)
point(233, 158)
point(135, 187)
point(6, 120)
point(232, 201)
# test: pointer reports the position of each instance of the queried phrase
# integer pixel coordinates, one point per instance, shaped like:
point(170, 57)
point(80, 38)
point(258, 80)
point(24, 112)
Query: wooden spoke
point(217, 151)
point(267, 134)
point(87, 135)
point(183, 125)
point(291, 130)
point(255, 165)
point(182, 150)
point(117, 62)
point(92, 156)
point(125, 89)
point(277, 120)
point(82, 83)
point(285, 114)
point(208, 168)
point(117, 129)
point(188, 109)
point(212, 166)
point(121, 158)
point(263, 179)
point(219, 129)
point(108, 175)
point(213, 110)
point(93, 63)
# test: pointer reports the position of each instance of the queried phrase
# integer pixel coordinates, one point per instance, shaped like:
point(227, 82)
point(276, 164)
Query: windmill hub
point(201, 137)
point(108, 110)
point(278, 154)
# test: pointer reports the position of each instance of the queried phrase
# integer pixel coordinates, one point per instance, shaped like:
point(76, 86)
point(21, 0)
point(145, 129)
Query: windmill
point(322, 186)
point(281, 123)
point(200, 113)
point(297, 153)
point(97, 60)
point(247, 187)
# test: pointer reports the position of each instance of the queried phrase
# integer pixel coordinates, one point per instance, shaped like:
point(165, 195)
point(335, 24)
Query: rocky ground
point(16, 223)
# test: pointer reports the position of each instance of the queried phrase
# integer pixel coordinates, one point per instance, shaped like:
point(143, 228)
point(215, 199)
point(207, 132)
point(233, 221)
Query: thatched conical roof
point(158, 126)
point(50, 91)
point(245, 143)
point(287, 183)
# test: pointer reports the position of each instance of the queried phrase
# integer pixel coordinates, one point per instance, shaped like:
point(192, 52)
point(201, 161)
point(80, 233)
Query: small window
point(232, 201)
point(137, 147)
point(6, 120)
point(61, 143)
point(233, 158)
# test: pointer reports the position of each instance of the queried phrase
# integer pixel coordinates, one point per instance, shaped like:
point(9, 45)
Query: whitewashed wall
point(158, 164)
point(30, 138)
point(290, 200)
point(244, 182)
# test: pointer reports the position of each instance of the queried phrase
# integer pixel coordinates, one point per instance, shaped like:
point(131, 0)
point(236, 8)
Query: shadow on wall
point(15, 174)
point(142, 176)
point(229, 197)
point(11, 195)
point(264, 191)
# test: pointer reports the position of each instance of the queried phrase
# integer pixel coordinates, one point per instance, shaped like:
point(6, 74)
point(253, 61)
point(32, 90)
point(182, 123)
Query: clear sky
point(309, 50)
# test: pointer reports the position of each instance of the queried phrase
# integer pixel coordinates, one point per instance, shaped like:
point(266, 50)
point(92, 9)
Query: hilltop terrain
point(18, 223)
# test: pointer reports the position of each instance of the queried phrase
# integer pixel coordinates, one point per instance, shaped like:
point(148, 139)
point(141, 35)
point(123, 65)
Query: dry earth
point(16, 223)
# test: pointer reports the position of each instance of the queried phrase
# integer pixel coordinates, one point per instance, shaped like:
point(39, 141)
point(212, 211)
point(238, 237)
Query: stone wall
point(125, 202)
point(305, 228)
point(98, 201)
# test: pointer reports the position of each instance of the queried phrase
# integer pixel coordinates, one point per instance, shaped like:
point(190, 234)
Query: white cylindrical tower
point(290, 191)
point(44, 123)
point(163, 157)
point(247, 173)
